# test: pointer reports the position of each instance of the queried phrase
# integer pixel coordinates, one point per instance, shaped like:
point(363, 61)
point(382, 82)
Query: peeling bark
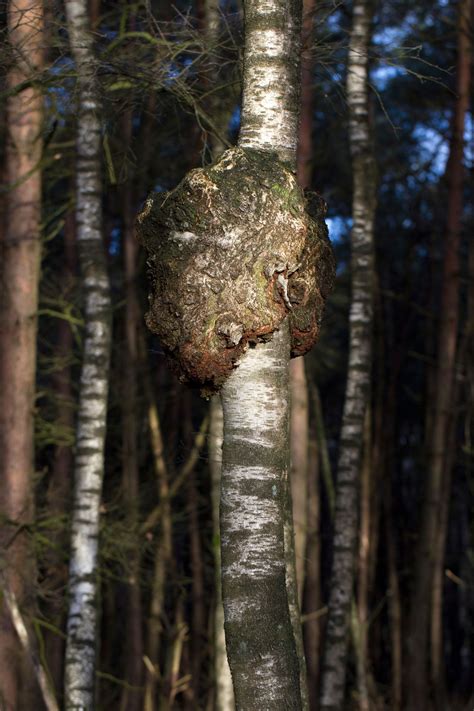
point(91, 422)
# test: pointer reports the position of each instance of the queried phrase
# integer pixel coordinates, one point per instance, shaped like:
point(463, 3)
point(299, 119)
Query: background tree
point(91, 421)
point(20, 270)
point(360, 357)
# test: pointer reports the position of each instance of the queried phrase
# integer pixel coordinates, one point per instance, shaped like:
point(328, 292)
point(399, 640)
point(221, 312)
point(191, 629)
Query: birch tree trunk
point(425, 561)
point(358, 377)
point(259, 635)
point(20, 262)
point(91, 423)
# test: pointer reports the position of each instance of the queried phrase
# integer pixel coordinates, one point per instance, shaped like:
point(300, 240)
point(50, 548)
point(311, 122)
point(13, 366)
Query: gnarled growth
point(233, 250)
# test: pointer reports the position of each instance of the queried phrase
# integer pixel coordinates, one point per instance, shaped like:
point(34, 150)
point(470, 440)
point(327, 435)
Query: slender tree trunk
point(20, 263)
point(131, 700)
point(312, 595)
point(198, 611)
point(224, 692)
point(91, 423)
point(358, 378)
point(259, 633)
point(299, 466)
point(362, 651)
point(163, 556)
point(420, 612)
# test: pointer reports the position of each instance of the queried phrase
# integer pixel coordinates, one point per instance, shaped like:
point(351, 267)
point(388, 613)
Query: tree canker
point(233, 250)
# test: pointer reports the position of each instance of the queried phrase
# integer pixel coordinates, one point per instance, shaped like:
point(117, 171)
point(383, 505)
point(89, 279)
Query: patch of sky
point(339, 227)
point(383, 73)
point(172, 73)
point(175, 69)
point(115, 240)
point(389, 36)
point(433, 150)
point(234, 121)
point(469, 139)
point(58, 95)
point(334, 21)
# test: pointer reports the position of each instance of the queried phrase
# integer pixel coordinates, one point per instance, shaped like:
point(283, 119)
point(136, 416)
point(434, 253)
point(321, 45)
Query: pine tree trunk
point(259, 633)
point(358, 378)
point(420, 611)
point(312, 597)
point(20, 264)
point(91, 422)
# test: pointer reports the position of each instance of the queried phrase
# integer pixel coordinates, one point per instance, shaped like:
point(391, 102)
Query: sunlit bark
point(19, 263)
point(259, 633)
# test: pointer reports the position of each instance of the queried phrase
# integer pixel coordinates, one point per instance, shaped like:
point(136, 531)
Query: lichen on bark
point(233, 250)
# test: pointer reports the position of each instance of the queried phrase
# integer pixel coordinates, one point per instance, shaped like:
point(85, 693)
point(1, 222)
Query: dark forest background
point(170, 90)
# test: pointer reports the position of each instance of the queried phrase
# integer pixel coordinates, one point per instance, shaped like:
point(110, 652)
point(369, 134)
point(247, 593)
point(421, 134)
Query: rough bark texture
point(20, 261)
point(418, 675)
point(91, 423)
point(358, 378)
point(233, 250)
point(259, 634)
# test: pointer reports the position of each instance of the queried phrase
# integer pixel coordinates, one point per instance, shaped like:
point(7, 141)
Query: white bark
point(259, 633)
point(358, 379)
point(271, 77)
point(254, 495)
point(89, 464)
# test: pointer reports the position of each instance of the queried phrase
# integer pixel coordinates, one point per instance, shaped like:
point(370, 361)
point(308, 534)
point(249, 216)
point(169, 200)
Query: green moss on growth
point(232, 251)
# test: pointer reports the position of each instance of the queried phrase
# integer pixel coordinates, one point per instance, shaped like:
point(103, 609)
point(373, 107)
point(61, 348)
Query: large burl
point(233, 250)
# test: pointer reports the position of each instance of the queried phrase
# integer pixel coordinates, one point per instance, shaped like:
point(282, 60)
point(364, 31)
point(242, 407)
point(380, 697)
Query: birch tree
point(20, 266)
point(241, 267)
point(358, 377)
point(91, 421)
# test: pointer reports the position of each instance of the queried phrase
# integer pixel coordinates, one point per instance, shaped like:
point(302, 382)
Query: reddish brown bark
point(298, 385)
point(312, 598)
point(20, 259)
